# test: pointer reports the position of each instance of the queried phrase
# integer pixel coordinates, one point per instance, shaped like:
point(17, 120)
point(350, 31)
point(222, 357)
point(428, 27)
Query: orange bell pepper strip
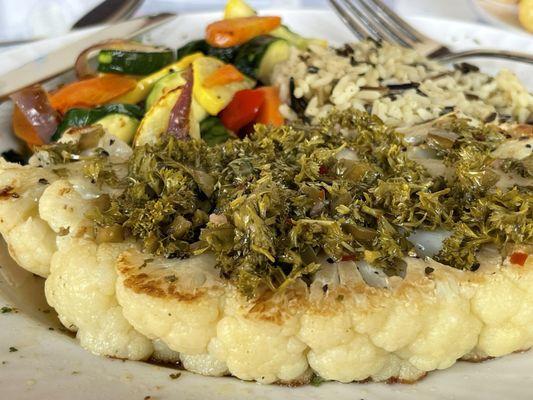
point(235, 31)
point(242, 110)
point(269, 112)
point(91, 92)
point(222, 76)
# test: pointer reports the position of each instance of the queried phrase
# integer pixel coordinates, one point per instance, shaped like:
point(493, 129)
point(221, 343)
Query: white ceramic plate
point(50, 364)
point(499, 13)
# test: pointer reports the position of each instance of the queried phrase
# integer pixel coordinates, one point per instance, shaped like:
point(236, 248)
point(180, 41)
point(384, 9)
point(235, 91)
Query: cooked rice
point(356, 76)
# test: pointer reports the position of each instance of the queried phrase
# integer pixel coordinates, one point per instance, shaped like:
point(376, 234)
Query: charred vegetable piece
point(224, 54)
point(154, 125)
point(134, 62)
point(243, 109)
point(163, 86)
point(258, 57)
point(216, 98)
point(179, 123)
point(91, 92)
point(239, 9)
point(236, 31)
point(78, 117)
point(213, 132)
point(34, 118)
point(224, 75)
point(145, 85)
point(85, 69)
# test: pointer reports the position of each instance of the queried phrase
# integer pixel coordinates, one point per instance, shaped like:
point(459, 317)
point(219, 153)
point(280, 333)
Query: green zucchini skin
point(224, 54)
point(168, 82)
point(133, 62)
point(251, 53)
point(78, 117)
point(257, 57)
point(213, 132)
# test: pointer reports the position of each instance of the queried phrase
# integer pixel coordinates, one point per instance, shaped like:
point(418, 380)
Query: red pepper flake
point(348, 257)
point(519, 258)
point(323, 170)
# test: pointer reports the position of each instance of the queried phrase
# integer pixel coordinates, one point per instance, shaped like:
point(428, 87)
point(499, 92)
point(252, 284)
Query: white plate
point(499, 13)
point(50, 364)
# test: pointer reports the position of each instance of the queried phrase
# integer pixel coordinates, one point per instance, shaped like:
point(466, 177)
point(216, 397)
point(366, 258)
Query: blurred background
point(27, 19)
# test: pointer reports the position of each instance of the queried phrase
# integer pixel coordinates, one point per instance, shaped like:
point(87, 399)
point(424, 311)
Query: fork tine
point(399, 22)
point(387, 30)
point(355, 25)
point(361, 18)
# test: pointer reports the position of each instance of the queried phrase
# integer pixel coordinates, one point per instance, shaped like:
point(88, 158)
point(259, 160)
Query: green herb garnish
point(272, 205)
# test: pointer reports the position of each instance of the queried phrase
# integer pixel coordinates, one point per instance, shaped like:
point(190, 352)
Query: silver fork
point(373, 19)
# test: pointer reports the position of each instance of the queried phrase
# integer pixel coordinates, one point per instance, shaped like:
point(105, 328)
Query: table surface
point(24, 19)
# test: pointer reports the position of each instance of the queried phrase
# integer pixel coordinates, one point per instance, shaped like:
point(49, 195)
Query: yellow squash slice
point(214, 99)
point(145, 85)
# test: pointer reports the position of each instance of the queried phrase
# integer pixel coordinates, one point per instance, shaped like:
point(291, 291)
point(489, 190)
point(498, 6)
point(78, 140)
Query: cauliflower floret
point(81, 288)
point(204, 364)
point(30, 240)
point(20, 189)
point(65, 210)
point(262, 347)
point(504, 302)
point(31, 244)
point(176, 301)
point(337, 350)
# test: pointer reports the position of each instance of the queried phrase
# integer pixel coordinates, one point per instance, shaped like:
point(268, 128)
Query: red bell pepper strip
point(518, 258)
point(242, 110)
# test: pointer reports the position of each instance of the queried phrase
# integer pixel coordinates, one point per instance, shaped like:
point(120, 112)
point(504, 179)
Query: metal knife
point(63, 59)
point(108, 11)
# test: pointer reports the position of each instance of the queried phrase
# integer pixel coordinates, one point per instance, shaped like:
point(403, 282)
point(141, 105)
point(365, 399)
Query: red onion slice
point(179, 122)
point(33, 103)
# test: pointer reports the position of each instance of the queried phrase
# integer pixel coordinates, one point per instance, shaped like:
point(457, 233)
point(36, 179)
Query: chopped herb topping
point(5, 310)
point(272, 205)
point(13, 349)
point(175, 375)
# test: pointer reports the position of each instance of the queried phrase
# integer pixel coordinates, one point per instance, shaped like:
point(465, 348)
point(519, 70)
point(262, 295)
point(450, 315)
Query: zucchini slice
point(163, 86)
point(155, 123)
point(258, 57)
point(215, 98)
point(226, 54)
point(120, 125)
point(145, 85)
point(78, 117)
point(166, 84)
point(283, 32)
point(213, 132)
point(133, 62)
